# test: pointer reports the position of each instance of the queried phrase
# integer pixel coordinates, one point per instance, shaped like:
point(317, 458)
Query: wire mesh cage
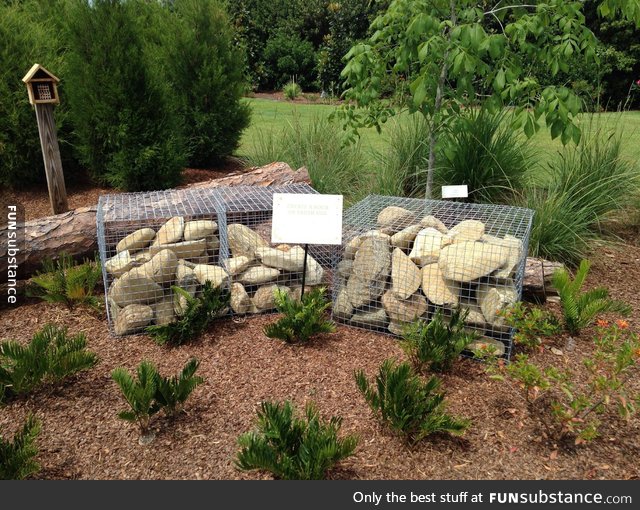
point(256, 266)
point(149, 242)
point(404, 259)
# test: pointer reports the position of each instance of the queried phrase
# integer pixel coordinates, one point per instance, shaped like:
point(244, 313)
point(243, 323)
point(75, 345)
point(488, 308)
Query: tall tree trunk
point(437, 106)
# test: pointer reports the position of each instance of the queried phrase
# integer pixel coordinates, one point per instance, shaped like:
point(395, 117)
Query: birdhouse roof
point(38, 72)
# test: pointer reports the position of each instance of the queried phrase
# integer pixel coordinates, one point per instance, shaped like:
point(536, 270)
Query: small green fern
point(302, 318)
point(580, 309)
point(407, 404)
point(172, 392)
point(437, 343)
point(292, 448)
point(199, 313)
point(64, 281)
point(140, 394)
point(17, 457)
point(50, 357)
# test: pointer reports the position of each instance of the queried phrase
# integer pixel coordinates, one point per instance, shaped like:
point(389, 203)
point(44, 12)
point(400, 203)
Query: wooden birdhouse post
point(42, 87)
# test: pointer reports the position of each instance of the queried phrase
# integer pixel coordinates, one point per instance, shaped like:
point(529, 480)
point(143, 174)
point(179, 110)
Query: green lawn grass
point(273, 115)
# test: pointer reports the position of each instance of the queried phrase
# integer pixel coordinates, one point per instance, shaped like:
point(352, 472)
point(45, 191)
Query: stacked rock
point(409, 267)
point(147, 263)
point(257, 270)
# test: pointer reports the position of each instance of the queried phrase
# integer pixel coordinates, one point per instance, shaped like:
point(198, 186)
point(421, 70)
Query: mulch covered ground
point(83, 438)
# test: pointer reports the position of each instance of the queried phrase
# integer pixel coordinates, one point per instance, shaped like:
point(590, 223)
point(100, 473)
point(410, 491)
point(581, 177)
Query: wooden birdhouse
point(41, 85)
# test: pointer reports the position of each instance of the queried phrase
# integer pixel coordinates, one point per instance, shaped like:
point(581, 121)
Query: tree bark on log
point(74, 232)
point(536, 285)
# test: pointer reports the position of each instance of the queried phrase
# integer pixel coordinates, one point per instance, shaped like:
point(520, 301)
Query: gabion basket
point(404, 259)
point(257, 267)
point(149, 242)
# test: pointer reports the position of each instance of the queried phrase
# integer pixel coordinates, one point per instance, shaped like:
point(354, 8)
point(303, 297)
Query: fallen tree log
point(536, 285)
point(74, 232)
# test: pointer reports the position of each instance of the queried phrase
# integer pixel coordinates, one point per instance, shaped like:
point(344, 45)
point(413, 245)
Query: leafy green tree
point(462, 53)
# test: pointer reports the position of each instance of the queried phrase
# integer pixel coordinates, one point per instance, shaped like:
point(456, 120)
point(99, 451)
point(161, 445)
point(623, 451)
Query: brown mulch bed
point(83, 438)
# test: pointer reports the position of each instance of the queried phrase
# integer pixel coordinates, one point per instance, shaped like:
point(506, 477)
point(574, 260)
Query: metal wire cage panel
point(404, 259)
point(256, 266)
point(149, 242)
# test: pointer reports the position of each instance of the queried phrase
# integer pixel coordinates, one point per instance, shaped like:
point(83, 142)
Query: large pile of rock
point(409, 267)
point(185, 254)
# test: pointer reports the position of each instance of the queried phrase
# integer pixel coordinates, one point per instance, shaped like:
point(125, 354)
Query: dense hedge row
point(146, 88)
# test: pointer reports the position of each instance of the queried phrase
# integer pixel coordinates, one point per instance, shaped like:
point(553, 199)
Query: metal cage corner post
point(149, 242)
point(404, 259)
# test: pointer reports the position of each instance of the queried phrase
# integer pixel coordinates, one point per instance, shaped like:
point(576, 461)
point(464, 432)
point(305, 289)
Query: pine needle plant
point(172, 392)
point(293, 448)
point(64, 281)
point(200, 312)
point(302, 318)
point(50, 357)
point(436, 344)
point(17, 456)
point(580, 308)
point(409, 406)
point(140, 394)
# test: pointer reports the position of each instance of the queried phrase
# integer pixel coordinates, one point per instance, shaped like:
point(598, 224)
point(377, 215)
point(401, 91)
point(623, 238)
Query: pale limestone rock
point(345, 268)
point(405, 237)
point(495, 347)
point(119, 264)
point(244, 241)
point(474, 314)
point(342, 306)
point(182, 250)
point(314, 272)
point(377, 234)
point(362, 292)
point(215, 274)
point(469, 260)
point(183, 270)
point(514, 247)
point(395, 218)
point(265, 297)
point(438, 290)
point(433, 222)
point(427, 246)
point(136, 240)
point(404, 310)
point(292, 260)
point(170, 232)
point(373, 260)
point(213, 243)
point(397, 328)
point(132, 318)
point(142, 257)
point(240, 300)
point(351, 248)
point(163, 311)
point(493, 299)
point(189, 284)
point(200, 229)
point(161, 268)
point(131, 288)
point(258, 275)
point(235, 265)
point(376, 319)
point(405, 275)
point(283, 247)
point(467, 230)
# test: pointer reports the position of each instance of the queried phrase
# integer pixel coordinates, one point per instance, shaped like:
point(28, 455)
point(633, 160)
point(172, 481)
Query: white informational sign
point(459, 191)
point(306, 219)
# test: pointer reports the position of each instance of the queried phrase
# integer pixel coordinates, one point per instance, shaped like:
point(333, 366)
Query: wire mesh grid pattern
point(404, 259)
point(149, 242)
point(257, 267)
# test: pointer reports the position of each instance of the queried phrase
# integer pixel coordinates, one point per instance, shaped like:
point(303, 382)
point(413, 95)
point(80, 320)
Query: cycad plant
point(302, 318)
point(408, 405)
point(140, 394)
point(172, 392)
point(17, 456)
point(64, 281)
point(293, 448)
point(438, 343)
point(50, 357)
point(200, 312)
point(581, 308)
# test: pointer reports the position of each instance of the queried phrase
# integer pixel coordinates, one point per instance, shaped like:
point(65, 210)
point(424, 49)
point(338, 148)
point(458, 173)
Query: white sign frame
point(307, 219)
point(457, 191)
